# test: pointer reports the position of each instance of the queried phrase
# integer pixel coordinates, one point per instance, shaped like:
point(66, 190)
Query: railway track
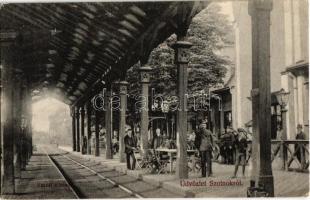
point(69, 182)
point(133, 193)
point(58, 162)
point(92, 180)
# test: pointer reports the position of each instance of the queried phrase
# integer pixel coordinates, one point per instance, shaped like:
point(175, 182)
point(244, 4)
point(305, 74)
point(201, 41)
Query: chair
point(163, 160)
point(143, 160)
point(139, 159)
point(194, 163)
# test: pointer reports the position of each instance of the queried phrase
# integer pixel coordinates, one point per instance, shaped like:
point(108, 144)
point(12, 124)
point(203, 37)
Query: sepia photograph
point(106, 99)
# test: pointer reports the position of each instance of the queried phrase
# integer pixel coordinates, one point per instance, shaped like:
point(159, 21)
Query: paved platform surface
point(41, 179)
point(287, 184)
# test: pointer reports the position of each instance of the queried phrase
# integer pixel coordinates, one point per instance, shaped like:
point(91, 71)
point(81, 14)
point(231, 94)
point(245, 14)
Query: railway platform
point(287, 183)
point(59, 173)
point(40, 180)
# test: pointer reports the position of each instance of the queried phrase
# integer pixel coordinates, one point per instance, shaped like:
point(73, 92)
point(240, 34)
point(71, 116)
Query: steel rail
point(74, 190)
point(105, 178)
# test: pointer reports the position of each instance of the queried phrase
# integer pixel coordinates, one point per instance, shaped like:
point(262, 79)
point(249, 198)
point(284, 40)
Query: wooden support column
point(7, 145)
point(27, 117)
point(77, 117)
point(17, 113)
point(28, 121)
point(30, 124)
point(88, 124)
point(181, 60)
point(122, 118)
point(73, 129)
point(145, 81)
point(97, 151)
point(24, 126)
point(82, 112)
point(108, 123)
point(261, 95)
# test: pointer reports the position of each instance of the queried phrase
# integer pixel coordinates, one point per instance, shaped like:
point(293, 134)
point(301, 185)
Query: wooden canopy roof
point(68, 48)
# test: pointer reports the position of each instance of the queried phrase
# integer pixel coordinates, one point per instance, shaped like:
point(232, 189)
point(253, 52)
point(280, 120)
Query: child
point(241, 147)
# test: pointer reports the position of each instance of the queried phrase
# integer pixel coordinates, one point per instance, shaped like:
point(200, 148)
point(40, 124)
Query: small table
point(170, 152)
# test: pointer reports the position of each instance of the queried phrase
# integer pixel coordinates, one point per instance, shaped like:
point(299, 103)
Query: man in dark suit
point(204, 143)
point(231, 149)
point(241, 146)
point(157, 140)
point(130, 145)
point(300, 136)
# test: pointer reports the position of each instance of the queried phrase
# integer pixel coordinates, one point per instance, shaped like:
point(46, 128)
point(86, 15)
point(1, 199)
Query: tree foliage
point(209, 33)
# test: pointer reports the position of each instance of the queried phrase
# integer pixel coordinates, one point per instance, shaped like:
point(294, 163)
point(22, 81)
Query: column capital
point(182, 44)
point(181, 51)
point(82, 110)
point(144, 74)
point(77, 112)
point(261, 5)
point(72, 111)
point(123, 87)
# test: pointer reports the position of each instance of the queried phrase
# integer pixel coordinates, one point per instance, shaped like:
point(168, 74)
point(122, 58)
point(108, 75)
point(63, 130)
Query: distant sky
point(42, 109)
point(227, 9)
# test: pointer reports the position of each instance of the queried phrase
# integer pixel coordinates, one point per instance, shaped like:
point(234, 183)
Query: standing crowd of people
point(202, 140)
point(233, 147)
point(233, 151)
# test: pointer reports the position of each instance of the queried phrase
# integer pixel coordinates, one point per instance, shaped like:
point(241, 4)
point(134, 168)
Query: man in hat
point(241, 147)
point(300, 136)
point(130, 145)
point(204, 143)
point(232, 135)
point(115, 144)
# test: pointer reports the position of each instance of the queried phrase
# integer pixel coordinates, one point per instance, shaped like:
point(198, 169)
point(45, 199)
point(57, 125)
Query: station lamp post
point(165, 110)
point(282, 98)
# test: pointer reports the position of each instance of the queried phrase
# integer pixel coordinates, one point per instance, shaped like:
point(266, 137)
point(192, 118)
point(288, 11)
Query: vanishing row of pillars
point(81, 128)
point(78, 114)
point(81, 116)
point(16, 116)
point(79, 119)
